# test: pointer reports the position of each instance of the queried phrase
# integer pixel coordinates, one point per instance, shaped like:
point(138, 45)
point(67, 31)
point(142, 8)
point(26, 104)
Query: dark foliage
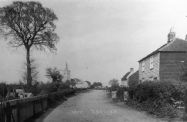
point(54, 74)
point(158, 97)
point(49, 88)
point(64, 86)
point(3, 89)
point(114, 84)
point(96, 84)
point(120, 92)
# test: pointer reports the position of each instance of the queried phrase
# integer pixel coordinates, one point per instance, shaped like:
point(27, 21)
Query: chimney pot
point(171, 35)
point(131, 69)
point(186, 37)
point(172, 29)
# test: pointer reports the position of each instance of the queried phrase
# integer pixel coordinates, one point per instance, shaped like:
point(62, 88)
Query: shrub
point(64, 86)
point(35, 90)
point(120, 93)
point(49, 88)
point(160, 92)
point(157, 97)
point(55, 97)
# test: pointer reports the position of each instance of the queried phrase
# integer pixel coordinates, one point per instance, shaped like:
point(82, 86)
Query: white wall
point(82, 85)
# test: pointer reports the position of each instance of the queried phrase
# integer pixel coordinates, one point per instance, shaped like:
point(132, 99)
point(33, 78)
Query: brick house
point(125, 78)
point(167, 62)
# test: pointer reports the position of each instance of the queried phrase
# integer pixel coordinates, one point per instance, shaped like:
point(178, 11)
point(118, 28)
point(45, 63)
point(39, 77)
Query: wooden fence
point(20, 110)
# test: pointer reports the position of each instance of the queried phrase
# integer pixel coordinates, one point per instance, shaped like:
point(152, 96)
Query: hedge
point(60, 95)
point(158, 97)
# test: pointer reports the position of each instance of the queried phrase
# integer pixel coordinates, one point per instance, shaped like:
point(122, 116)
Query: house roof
point(125, 76)
point(134, 76)
point(82, 82)
point(76, 79)
point(177, 45)
point(133, 79)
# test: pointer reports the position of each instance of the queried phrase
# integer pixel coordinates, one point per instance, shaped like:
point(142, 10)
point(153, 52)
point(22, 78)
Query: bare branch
point(28, 24)
point(18, 45)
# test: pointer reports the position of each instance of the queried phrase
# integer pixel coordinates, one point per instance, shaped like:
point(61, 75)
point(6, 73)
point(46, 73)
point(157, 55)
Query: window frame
point(151, 62)
point(143, 66)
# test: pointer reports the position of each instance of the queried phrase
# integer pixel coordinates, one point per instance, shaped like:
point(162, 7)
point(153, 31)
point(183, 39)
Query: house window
point(142, 80)
point(151, 63)
point(155, 79)
point(143, 66)
point(151, 78)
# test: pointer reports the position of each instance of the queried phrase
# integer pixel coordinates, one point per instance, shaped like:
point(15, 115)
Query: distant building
point(167, 62)
point(25, 95)
point(20, 93)
point(98, 87)
point(76, 80)
point(125, 79)
point(66, 74)
point(83, 84)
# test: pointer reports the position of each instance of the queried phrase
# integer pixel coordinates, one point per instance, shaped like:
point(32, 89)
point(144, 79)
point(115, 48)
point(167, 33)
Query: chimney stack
point(131, 69)
point(186, 38)
point(171, 35)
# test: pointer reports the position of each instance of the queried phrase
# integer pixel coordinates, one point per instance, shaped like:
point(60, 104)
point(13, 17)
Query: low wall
point(21, 109)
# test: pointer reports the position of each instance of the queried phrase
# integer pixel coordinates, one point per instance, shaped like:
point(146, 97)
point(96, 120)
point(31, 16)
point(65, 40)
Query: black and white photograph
point(93, 61)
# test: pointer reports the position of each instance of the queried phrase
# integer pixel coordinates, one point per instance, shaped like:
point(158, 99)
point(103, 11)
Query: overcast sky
point(100, 39)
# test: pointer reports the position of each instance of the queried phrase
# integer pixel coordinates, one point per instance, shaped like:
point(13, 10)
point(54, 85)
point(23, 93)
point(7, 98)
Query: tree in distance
point(73, 82)
point(30, 25)
point(114, 84)
point(89, 83)
point(96, 85)
point(54, 75)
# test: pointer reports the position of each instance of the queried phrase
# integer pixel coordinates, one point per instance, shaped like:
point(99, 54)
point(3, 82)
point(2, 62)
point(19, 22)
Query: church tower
point(66, 74)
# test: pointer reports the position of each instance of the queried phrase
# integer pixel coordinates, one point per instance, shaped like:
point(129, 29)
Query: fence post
point(33, 105)
point(41, 102)
point(1, 112)
point(18, 110)
point(8, 112)
point(185, 105)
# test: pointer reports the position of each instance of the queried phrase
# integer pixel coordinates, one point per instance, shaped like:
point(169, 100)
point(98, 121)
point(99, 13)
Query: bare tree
point(31, 25)
point(34, 72)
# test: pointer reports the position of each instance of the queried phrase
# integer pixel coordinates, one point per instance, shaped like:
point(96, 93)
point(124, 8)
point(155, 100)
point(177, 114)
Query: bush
point(157, 97)
point(35, 90)
point(49, 88)
point(160, 92)
point(64, 86)
point(120, 93)
point(55, 97)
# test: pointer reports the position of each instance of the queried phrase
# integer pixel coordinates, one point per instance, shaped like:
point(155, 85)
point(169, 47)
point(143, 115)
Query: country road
point(95, 106)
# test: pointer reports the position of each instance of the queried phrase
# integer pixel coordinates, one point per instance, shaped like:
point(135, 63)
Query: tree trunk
point(29, 77)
